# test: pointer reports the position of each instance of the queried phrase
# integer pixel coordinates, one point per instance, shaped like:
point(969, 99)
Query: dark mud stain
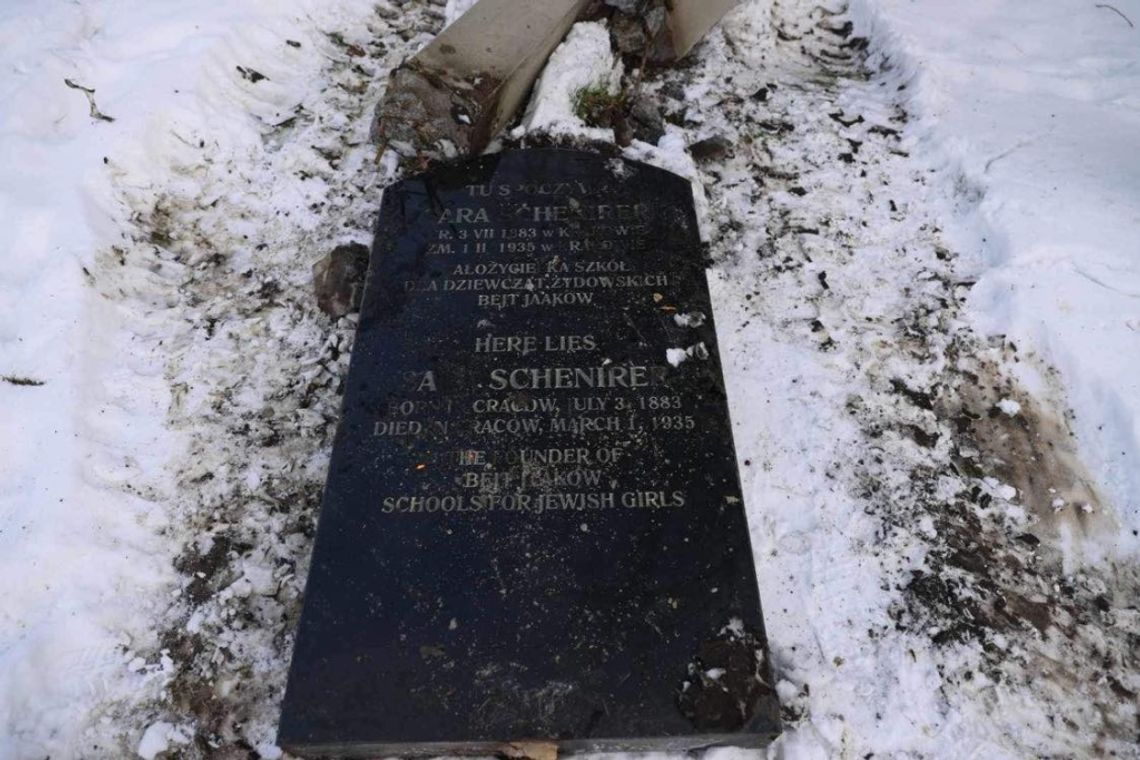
point(260, 420)
point(250, 75)
point(991, 582)
point(1033, 450)
point(725, 683)
point(202, 567)
point(999, 504)
point(21, 380)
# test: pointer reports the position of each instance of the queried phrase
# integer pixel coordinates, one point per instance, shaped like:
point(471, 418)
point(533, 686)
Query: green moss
point(598, 107)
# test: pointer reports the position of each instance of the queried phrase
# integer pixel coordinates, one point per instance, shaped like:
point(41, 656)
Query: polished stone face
point(533, 526)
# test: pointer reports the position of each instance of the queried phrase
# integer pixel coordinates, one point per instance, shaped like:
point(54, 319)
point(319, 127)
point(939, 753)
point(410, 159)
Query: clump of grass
point(14, 380)
point(598, 107)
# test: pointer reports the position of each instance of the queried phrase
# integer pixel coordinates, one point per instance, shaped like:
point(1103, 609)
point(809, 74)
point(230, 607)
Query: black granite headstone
point(532, 527)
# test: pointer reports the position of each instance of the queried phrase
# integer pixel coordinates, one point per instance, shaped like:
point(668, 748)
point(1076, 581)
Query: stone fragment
point(457, 93)
point(628, 34)
point(711, 148)
point(672, 27)
point(645, 118)
point(625, 6)
point(338, 279)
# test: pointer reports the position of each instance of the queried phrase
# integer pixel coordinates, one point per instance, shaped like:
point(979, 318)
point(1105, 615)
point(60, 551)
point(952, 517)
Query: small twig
point(1117, 11)
point(644, 56)
point(251, 74)
point(90, 93)
point(1020, 144)
point(16, 380)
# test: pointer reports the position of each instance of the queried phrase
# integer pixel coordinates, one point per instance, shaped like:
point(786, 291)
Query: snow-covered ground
point(1035, 108)
point(147, 267)
point(926, 280)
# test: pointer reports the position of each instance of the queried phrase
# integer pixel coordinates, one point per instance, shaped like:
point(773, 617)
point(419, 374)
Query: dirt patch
point(1006, 433)
point(983, 513)
point(20, 380)
point(218, 259)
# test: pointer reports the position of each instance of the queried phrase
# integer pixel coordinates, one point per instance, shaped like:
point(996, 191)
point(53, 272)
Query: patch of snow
point(671, 153)
point(786, 691)
point(456, 8)
point(583, 60)
point(1032, 114)
point(677, 355)
point(159, 737)
point(93, 479)
point(1009, 407)
point(619, 168)
point(268, 751)
point(1001, 490)
point(689, 319)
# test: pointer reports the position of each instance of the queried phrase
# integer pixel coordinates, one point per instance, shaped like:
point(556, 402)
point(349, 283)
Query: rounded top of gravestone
point(546, 166)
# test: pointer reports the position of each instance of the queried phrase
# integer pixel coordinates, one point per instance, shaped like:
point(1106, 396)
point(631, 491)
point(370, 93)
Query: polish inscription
point(533, 251)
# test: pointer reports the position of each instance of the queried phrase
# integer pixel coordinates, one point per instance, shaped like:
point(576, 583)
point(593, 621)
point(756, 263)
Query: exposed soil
point(956, 456)
point(256, 371)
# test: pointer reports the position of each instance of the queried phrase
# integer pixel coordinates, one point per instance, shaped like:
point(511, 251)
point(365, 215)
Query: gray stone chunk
point(711, 148)
point(338, 279)
point(628, 34)
point(672, 27)
point(648, 125)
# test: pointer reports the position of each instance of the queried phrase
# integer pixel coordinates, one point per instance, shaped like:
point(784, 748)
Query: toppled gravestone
point(453, 96)
point(533, 535)
point(456, 94)
point(663, 31)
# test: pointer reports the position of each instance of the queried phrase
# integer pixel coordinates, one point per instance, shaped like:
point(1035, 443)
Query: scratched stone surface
point(532, 527)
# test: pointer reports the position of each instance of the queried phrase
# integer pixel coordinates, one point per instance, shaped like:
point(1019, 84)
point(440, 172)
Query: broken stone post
point(457, 93)
point(669, 28)
point(686, 22)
